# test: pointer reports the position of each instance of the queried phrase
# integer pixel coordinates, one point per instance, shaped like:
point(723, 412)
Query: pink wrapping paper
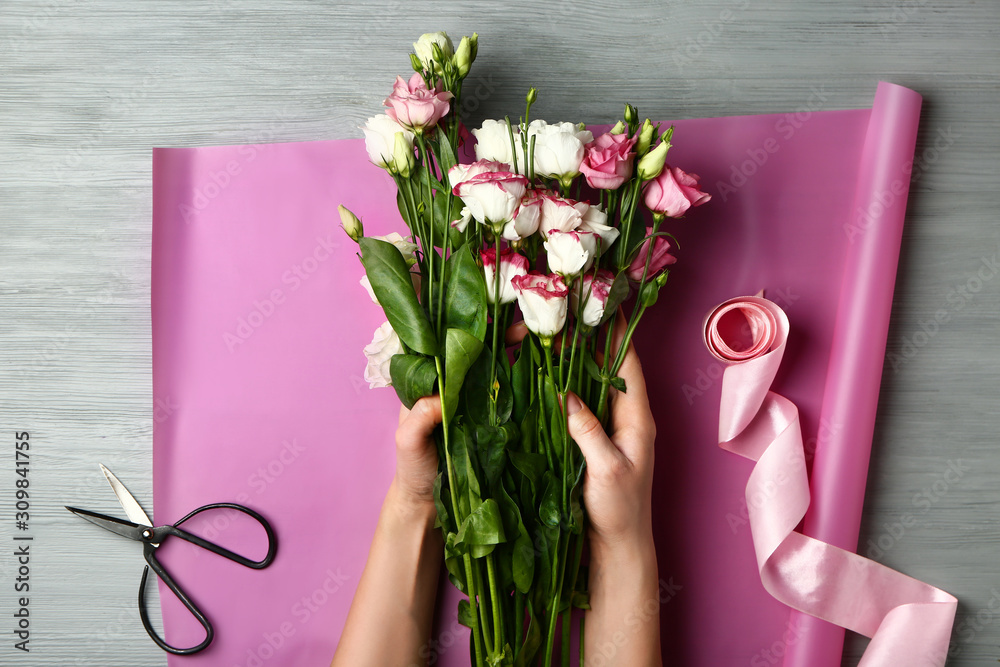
point(259, 321)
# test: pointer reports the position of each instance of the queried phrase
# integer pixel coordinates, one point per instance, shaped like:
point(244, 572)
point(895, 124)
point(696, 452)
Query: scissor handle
point(161, 532)
point(149, 552)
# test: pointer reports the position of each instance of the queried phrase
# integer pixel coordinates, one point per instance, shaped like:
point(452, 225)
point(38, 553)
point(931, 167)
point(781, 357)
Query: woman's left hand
point(416, 453)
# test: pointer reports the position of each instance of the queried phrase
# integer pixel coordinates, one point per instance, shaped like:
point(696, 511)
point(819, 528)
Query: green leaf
point(441, 497)
point(616, 296)
point(532, 641)
point(593, 370)
point(581, 600)
point(491, 449)
point(529, 429)
point(483, 528)
point(523, 553)
point(460, 349)
point(465, 615)
point(453, 561)
point(445, 153)
point(467, 492)
point(403, 213)
point(393, 287)
point(531, 466)
point(421, 177)
point(522, 375)
point(475, 391)
point(413, 377)
point(618, 383)
point(548, 510)
point(556, 425)
point(465, 304)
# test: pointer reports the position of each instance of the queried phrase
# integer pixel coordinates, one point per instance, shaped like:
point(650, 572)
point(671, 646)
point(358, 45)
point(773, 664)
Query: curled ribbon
point(909, 622)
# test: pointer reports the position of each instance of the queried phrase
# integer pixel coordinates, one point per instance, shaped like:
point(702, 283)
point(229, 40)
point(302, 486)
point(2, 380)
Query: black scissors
point(141, 529)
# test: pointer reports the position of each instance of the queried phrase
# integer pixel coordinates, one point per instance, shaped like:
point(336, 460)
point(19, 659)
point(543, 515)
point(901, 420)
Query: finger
point(630, 409)
point(416, 428)
point(598, 450)
point(515, 333)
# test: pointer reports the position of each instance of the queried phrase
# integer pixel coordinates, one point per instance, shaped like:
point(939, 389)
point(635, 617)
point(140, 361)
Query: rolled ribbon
point(909, 622)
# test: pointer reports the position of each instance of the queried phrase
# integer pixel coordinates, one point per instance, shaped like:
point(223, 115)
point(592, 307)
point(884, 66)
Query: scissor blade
point(131, 506)
point(123, 528)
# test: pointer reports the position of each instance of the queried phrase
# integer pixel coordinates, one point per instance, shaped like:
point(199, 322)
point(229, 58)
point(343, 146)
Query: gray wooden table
point(88, 87)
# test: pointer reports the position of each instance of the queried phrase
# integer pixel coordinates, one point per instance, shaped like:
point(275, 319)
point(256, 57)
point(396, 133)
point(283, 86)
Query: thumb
point(585, 428)
point(415, 430)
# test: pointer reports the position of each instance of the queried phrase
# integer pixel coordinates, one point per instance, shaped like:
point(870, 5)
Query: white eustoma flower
point(407, 249)
point(570, 253)
point(558, 214)
point(464, 172)
point(380, 140)
point(558, 148)
point(589, 307)
point(493, 197)
point(525, 222)
point(463, 221)
point(543, 302)
point(593, 219)
point(511, 264)
point(367, 284)
point(493, 143)
point(385, 343)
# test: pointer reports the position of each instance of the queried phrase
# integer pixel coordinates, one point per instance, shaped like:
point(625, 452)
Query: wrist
point(414, 509)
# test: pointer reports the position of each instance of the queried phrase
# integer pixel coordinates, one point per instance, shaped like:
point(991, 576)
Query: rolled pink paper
point(850, 398)
point(258, 323)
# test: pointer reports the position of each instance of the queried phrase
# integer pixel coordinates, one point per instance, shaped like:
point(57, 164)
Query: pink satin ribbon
point(909, 622)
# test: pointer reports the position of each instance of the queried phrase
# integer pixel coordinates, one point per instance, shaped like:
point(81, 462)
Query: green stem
point(556, 596)
point(450, 468)
point(479, 627)
point(495, 600)
point(583, 618)
point(496, 328)
point(602, 403)
point(483, 609)
point(518, 621)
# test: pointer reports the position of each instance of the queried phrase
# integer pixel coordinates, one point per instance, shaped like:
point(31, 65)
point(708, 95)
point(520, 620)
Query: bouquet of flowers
point(553, 221)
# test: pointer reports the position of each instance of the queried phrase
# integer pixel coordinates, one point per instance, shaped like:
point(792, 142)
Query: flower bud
point(351, 223)
point(645, 137)
point(463, 57)
point(474, 40)
point(649, 293)
point(532, 95)
point(415, 63)
point(652, 163)
point(403, 159)
point(431, 48)
point(619, 128)
point(630, 114)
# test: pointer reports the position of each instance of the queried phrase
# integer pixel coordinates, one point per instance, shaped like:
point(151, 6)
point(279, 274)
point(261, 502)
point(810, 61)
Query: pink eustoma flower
point(492, 197)
point(512, 265)
point(591, 298)
point(607, 161)
point(661, 258)
point(542, 299)
point(673, 192)
point(414, 106)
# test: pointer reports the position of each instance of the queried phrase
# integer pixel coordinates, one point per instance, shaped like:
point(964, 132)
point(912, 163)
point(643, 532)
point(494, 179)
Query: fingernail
point(573, 404)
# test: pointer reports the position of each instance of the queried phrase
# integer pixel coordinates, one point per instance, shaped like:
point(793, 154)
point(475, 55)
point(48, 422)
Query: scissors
point(141, 529)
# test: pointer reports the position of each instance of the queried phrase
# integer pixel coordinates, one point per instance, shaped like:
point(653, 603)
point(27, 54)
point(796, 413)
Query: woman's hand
point(618, 482)
point(416, 453)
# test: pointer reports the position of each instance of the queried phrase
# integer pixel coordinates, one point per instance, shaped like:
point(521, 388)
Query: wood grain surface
point(88, 87)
